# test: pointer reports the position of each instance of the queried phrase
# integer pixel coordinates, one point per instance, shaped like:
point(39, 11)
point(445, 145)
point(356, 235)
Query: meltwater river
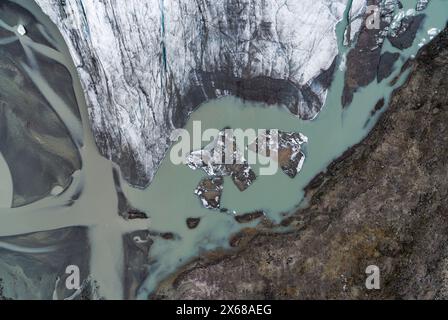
point(169, 200)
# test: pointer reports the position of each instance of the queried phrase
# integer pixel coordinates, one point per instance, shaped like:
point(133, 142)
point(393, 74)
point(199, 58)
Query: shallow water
point(169, 200)
point(5, 185)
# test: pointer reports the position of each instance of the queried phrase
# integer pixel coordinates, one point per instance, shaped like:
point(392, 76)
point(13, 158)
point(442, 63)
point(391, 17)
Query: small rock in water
point(209, 192)
point(248, 217)
point(132, 214)
point(167, 236)
point(21, 30)
point(192, 223)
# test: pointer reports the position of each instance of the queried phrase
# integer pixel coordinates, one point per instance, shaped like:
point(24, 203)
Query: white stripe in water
point(5, 185)
point(21, 249)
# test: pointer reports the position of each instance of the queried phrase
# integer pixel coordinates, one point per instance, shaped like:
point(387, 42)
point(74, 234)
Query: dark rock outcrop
point(209, 192)
point(365, 61)
point(405, 35)
point(192, 223)
point(386, 65)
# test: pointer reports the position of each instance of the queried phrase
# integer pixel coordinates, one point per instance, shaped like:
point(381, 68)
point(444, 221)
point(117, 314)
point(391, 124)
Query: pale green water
point(5, 185)
point(169, 200)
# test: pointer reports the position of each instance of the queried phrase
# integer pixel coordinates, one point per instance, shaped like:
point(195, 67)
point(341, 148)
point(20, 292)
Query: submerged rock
point(167, 236)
